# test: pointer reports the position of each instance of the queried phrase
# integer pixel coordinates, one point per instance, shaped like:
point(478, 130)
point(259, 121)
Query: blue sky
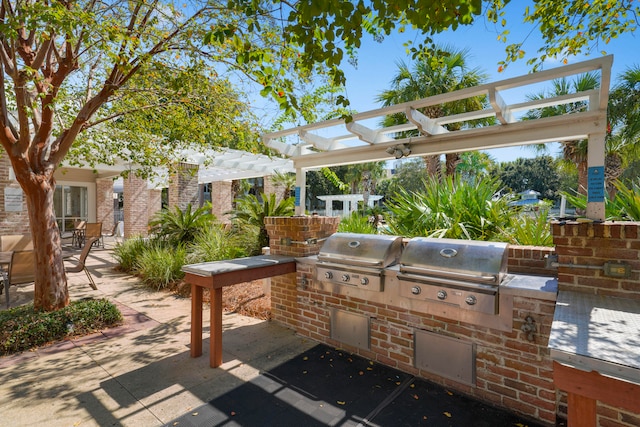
point(377, 62)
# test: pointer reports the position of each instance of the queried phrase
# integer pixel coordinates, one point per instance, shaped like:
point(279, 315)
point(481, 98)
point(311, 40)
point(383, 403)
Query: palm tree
point(623, 136)
point(574, 152)
point(251, 210)
point(286, 181)
point(473, 165)
point(434, 76)
point(354, 174)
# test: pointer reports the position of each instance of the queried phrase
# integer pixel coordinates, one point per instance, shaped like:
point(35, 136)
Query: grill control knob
point(442, 295)
point(471, 300)
point(364, 281)
point(328, 275)
point(345, 278)
point(416, 290)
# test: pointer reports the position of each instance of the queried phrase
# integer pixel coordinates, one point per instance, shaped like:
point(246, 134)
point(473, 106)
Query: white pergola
point(214, 165)
point(349, 202)
point(361, 139)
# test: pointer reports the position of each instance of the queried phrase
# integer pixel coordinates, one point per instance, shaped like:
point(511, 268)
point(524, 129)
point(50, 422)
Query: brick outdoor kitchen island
point(214, 276)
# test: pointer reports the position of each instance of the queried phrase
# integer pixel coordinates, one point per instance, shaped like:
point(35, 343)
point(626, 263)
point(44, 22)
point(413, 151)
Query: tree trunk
point(452, 160)
point(434, 168)
point(51, 292)
point(583, 172)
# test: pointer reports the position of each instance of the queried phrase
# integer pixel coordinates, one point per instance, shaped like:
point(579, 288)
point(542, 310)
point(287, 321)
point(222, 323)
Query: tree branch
point(123, 113)
point(41, 54)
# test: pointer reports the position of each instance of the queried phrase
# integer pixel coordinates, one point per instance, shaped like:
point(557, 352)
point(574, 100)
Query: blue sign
point(297, 203)
point(595, 184)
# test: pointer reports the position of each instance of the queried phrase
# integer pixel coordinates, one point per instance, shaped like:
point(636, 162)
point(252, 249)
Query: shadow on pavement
point(329, 387)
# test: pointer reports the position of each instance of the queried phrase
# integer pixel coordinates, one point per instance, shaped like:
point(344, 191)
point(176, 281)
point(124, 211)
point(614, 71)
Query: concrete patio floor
point(139, 374)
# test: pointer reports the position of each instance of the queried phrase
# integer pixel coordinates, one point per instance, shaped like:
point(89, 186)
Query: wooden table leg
point(581, 411)
point(215, 342)
point(196, 320)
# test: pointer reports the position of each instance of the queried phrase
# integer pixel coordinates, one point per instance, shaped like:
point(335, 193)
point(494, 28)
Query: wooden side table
point(214, 276)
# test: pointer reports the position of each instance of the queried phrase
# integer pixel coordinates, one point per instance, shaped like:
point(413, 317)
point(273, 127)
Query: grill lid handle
point(491, 278)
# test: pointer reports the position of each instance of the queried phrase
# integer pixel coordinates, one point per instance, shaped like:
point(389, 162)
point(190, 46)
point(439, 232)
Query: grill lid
point(365, 250)
point(463, 260)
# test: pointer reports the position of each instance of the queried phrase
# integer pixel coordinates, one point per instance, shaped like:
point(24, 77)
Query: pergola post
point(595, 179)
point(301, 193)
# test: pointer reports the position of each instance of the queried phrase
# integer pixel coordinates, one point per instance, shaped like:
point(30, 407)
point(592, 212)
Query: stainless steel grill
point(461, 273)
point(357, 259)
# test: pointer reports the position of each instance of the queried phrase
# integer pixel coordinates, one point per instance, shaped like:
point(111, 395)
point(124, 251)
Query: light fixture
point(399, 151)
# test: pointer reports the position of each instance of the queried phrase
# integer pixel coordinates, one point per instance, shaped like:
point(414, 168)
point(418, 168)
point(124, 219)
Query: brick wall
point(286, 235)
point(221, 199)
point(588, 247)
point(511, 371)
point(104, 203)
point(136, 206)
point(529, 259)
point(11, 222)
point(183, 186)
point(270, 187)
point(155, 202)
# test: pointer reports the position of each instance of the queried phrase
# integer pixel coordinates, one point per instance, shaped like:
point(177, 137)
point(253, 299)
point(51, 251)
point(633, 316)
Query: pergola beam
point(516, 134)
point(426, 125)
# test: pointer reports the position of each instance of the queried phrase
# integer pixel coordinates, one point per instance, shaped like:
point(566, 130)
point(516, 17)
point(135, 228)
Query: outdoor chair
point(113, 233)
point(77, 235)
point(80, 263)
point(6, 259)
point(93, 229)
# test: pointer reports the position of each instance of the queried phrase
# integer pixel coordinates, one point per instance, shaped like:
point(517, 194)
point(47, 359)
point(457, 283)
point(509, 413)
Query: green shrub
point(180, 227)
point(128, 253)
point(454, 208)
point(356, 223)
point(530, 229)
point(160, 265)
point(22, 328)
point(251, 211)
point(217, 243)
point(625, 205)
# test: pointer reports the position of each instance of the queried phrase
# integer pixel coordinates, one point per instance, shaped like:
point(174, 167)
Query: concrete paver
point(140, 374)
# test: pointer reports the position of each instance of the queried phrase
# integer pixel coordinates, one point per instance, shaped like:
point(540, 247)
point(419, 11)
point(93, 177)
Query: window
point(70, 204)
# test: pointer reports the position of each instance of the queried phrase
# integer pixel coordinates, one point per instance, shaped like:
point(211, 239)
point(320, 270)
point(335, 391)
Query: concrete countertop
point(218, 267)
point(529, 286)
point(597, 333)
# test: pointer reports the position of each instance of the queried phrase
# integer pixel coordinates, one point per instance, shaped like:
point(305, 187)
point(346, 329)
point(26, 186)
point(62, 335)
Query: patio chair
point(77, 234)
point(93, 229)
point(6, 259)
point(113, 233)
point(80, 263)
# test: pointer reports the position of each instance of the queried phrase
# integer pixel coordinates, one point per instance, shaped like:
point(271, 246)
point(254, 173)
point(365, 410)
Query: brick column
point(183, 186)
point(221, 200)
point(155, 202)
point(136, 206)
point(104, 203)
point(270, 187)
point(284, 289)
